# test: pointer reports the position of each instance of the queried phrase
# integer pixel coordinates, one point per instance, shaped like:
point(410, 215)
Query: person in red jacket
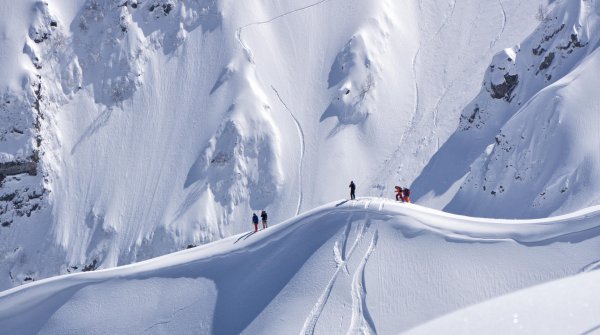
point(399, 194)
point(406, 192)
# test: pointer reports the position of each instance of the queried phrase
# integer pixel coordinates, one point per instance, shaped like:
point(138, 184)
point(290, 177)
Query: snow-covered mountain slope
point(565, 306)
point(148, 126)
point(366, 266)
point(528, 142)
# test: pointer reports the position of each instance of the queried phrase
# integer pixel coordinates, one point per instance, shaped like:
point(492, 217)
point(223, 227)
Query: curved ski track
point(315, 313)
point(302, 148)
point(238, 32)
point(591, 267)
point(250, 57)
point(503, 25)
point(412, 122)
point(362, 322)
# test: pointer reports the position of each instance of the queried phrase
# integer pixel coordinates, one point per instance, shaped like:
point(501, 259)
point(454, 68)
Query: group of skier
point(263, 216)
point(402, 194)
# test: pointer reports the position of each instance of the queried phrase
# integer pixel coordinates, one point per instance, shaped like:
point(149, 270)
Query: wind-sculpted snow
point(565, 306)
point(354, 75)
point(151, 126)
point(112, 40)
point(366, 266)
point(523, 141)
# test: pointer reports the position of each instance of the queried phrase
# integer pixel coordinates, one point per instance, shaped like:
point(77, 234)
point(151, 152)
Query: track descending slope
point(371, 265)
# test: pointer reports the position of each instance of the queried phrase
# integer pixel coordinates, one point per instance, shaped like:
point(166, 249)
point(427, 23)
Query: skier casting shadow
point(255, 221)
point(263, 215)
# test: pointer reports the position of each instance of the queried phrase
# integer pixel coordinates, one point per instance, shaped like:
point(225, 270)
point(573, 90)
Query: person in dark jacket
point(352, 189)
point(255, 221)
point(263, 216)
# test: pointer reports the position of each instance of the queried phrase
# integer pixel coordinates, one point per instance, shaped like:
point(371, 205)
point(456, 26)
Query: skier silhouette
point(352, 189)
point(263, 215)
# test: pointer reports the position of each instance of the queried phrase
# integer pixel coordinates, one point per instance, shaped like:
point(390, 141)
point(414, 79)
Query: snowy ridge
point(331, 270)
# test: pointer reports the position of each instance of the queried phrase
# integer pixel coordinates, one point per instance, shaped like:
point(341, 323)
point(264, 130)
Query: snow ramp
point(371, 266)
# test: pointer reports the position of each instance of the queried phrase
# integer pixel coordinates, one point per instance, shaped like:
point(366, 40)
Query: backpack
point(406, 192)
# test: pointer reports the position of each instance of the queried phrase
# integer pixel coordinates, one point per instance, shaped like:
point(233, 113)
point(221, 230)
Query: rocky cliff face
point(527, 157)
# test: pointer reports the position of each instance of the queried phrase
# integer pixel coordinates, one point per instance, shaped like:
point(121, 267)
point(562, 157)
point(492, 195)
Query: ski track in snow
point(315, 313)
point(415, 117)
point(250, 57)
point(591, 331)
point(591, 267)
point(416, 102)
point(381, 204)
point(503, 25)
point(302, 149)
point(238, 32)
point(173, 314)
point(436, 108)
point(447, 18)
point(346, 236)
point(362, 322)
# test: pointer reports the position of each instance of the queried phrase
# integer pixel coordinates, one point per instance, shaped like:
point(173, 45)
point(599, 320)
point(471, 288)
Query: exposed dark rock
point(505, 89)
point(474, 115)
point(549, 37)
point(41, 37)
point(91, 267)
point(8, 197)
point(539, 50)
point(547, 61)
point(573, 43)
point(166, 8)
point(14, 168)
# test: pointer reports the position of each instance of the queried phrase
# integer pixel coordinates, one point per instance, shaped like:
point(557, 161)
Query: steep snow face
point(569, 305)
point(155, 125)
point(366, 266)
point(527, 138)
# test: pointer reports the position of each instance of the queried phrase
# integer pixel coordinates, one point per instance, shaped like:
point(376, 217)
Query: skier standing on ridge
point(352, 189)
point(255, 221)
point(406, 194)
point(399, 194)
point(263, 215)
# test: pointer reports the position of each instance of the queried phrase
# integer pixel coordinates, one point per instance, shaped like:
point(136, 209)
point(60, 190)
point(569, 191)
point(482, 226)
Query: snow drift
point(366, 266)
point(564, 306)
